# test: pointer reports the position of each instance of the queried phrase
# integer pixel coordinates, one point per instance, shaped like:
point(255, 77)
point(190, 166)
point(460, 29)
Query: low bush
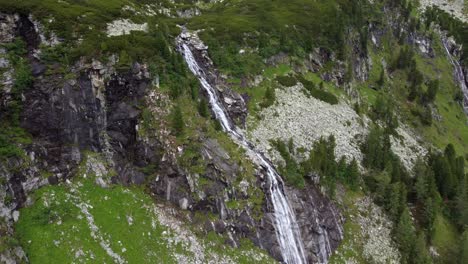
point(286, 81)
point(319, 94)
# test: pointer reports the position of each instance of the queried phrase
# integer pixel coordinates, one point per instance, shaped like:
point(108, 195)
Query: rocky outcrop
point(320, 222)
point(124, 27)
point(188, 13)
point(307, 120)
point(92, 108)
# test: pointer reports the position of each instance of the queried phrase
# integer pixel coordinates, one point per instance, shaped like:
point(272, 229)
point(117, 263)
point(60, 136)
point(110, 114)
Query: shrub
point(291, 172)
point(319, 94)
point(269, 98)
point(177, 121)
point(286, 81)
point(203, 108)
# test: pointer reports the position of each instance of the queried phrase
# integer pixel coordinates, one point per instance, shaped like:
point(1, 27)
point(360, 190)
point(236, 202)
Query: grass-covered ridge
point(265, 28)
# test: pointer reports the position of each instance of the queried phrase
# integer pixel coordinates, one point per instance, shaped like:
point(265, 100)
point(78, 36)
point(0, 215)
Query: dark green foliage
point(462, 204)
point(394, 199)
point(269, 98)
point(217, 125)
point(203, 108)
point(427, 196)
point(322, 161)
point(420, 252)
point(381, 80)
point(324, 96)
point(286, 81)
point(322, 157)
point(446, 171)
point(384, 110)
point(7, 149)
point(348, 173)
point(458, 96)
point(194, 89)
point(291, 146)
point(292, 172)
point(55, 54)
point(432, 88)
point(319, 94)
point(405, 236)
point(450, 178)
point(444, 177)
point(404, 59)
point(426, 116)
point(177, 121)
point(464, 248)
point(376, 149)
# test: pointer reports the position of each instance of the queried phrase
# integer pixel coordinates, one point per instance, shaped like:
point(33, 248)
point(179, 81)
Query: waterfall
point(459, 75)
point(286, 228)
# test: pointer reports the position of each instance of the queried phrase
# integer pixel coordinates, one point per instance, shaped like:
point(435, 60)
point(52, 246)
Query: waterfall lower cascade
point(459, 75)
point(287, 230)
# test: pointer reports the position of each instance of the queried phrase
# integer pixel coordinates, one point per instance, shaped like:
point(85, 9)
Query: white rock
point(183, 203)
point(123, 27)
point(306, 120)
point(454, 7)
point(15, 215)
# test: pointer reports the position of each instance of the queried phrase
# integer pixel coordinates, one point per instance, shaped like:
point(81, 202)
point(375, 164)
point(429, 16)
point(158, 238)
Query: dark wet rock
point(319, 220)
point(27, 31)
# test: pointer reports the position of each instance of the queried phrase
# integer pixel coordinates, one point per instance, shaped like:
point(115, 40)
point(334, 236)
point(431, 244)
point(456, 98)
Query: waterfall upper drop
point(286, 228)
point(458, 71)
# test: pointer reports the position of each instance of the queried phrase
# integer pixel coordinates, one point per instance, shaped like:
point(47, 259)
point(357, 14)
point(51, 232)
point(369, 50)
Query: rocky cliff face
point(320, 222)
point(97, 108)
point(91, 109)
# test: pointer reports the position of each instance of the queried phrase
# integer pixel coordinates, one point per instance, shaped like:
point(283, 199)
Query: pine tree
point(392, 200)
point(269, 97)
point(405, 236)
point(420, 254)
point(342, 169)
point(177, 121)
point(444, 177)
point(429, 214)
point(420, 186)
point(462, 204)
point(352, 173)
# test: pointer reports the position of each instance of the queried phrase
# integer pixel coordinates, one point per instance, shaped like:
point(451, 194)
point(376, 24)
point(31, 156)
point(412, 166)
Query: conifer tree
point(405, 236)
point(352, 174)
point(177, 121)
point(420, 254)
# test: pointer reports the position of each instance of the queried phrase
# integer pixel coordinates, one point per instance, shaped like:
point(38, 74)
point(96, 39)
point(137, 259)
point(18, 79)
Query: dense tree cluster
point(321, 162)
point(438, 186)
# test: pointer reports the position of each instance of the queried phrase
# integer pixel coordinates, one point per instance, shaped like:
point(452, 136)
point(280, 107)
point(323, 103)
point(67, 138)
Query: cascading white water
point(458, 74)
point(287, 230)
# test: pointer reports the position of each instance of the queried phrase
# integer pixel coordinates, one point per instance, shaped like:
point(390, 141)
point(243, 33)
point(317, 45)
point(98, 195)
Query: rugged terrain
point(111, 150)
